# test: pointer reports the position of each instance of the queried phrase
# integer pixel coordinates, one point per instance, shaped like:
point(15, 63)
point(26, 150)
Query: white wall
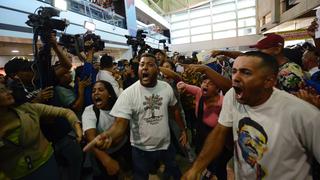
point(217, 44)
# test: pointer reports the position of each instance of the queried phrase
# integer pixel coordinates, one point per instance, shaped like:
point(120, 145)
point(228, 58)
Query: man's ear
point(270, 81)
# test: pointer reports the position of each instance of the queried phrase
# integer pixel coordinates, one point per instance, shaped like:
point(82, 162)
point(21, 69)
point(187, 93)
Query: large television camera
point(43, 24)
point(138, 42)
point(81, 42)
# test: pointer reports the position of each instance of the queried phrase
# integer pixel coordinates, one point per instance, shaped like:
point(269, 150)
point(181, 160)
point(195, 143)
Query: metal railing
point(94, 11)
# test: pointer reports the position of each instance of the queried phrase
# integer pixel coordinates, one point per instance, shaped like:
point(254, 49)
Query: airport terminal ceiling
point(165, 7)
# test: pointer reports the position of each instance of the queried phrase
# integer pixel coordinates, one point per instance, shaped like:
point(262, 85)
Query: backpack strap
point(200, 109)
point(97, 113)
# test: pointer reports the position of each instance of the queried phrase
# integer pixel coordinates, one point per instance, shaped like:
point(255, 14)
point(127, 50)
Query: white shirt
point(292, 129)
point(89, 121)
point(147, 110)
point(107, 76)
point(313, 70)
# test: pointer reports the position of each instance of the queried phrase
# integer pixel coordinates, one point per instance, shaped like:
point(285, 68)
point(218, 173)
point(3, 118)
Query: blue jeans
point(143, 161)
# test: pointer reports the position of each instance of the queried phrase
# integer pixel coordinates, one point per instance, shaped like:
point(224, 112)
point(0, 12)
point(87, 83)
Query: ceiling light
point(15, 51)
point(89, 26)
point(61, 5)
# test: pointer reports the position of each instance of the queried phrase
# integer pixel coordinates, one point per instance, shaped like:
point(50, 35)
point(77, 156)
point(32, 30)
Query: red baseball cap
point(269, 41)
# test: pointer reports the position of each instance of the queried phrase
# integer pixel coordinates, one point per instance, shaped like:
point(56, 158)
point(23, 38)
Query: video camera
point(138, 41)
point(81, 42)
point(43, 23)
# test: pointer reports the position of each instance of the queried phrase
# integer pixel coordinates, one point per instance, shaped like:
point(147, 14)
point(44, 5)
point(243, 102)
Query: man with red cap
point(290, 74)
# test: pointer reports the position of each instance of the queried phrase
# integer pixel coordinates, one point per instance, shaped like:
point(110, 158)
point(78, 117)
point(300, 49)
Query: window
point(224, 34)
point(246, 3)
point(179, 17)
point(200, 12)
point(247, 22)
point(180, 25)
point(224, 17)
point(183, 40)
point(247, 12)
point(179, 33)
point(224, 26)
point(202, 37)
point(200, 21)
point(223, 8)
point(201, 29)
point(246, 31)
point(217, 2)
point(215, 19)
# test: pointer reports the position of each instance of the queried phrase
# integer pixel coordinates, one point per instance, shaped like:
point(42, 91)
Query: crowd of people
point(125, 119)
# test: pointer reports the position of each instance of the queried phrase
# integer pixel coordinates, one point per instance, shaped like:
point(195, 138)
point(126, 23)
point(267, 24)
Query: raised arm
point(64, 60)
point(311, 31)
point(111, 165)
point(231, 54)
point(107, 138)
point(170, 73)
point(223, 83)
point(52, 111)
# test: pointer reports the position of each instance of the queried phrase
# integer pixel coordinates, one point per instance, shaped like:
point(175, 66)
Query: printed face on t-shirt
point(252, 140)
point(148, 72)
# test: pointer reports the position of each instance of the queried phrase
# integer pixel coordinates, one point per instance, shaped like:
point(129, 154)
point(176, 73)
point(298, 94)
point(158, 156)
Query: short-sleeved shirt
point(272, 140)
point(147, 111)
point(89, 121)
point(289, 77)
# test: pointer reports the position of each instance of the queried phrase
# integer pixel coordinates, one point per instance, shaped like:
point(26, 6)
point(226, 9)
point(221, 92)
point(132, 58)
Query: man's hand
point(181, 86)
point(191, 174)
point(192, 68)
point(102, 141)
point(183, 138)
point(44, 95)
point(84, 83)
point(112, 166)
point(312, 28)
point(78, 130)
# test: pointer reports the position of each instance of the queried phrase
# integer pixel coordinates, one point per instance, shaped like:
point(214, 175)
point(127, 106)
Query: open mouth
point(98, 101)
point(239, 92)
point(204, 91)
point(145, 76)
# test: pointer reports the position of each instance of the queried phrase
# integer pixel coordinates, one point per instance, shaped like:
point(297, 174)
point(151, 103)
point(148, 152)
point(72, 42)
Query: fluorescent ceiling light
point(89, 26)
point(15, 51)
point(61, 5)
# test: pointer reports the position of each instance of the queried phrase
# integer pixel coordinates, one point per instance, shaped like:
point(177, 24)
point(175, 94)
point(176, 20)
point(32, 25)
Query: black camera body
point(44, 24)
point(92, 40)
point(81, 42)
point(138, 41)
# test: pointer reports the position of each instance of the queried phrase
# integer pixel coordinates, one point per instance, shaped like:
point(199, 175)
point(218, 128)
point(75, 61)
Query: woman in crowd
point(96, 119)
point(24, 152)
point(208, 106)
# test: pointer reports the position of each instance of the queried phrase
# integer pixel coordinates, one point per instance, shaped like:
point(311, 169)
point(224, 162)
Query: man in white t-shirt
point(145, 105)
point(274, 133)
point(106, 71)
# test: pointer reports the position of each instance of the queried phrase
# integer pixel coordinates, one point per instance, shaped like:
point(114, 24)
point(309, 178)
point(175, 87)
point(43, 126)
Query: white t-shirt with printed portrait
point(272, 140)
point(147, 111)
